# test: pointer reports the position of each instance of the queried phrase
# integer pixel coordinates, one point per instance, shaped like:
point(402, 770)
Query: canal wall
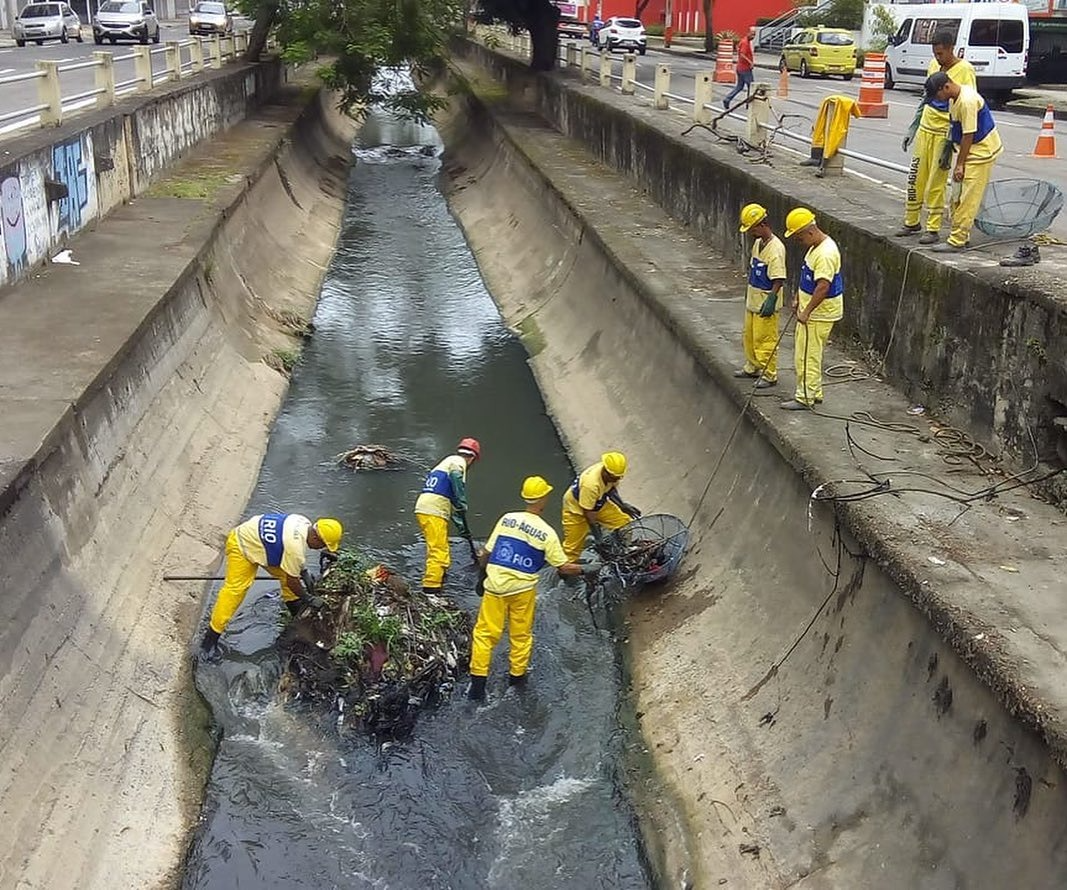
point(977, 343)
point(853, 693)
point(139, 387)
point(54, 182)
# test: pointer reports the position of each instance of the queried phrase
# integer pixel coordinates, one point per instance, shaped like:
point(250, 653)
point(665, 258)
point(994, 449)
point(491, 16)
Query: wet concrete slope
point(834, 695)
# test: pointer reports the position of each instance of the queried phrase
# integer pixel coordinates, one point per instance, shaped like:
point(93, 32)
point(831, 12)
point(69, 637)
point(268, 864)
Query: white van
point(993, 37)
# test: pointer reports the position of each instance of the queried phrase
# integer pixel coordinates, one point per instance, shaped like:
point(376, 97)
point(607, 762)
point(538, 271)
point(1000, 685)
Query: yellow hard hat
point(752, 215)
point(534, 488)
point(798, 218)
point(330, 530)
point(615, 463)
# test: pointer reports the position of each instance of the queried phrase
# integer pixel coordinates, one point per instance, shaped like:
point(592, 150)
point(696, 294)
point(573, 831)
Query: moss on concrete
point(531, 335)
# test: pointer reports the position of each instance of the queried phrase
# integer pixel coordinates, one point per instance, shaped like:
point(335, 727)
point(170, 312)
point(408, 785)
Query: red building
point(688, 15)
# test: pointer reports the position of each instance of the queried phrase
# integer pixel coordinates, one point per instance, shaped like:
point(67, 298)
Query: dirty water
point(409, 351)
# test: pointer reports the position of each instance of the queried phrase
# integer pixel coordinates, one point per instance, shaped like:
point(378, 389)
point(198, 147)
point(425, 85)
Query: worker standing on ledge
point(932, 154)
point(444, 497)
point(818, 304)
point(519, 547)
point(974, 132)
point(766, 276)
point(593, 501)
point(279, 542)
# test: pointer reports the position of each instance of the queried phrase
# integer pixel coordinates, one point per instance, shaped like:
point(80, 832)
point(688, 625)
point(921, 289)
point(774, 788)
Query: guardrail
point(184, 58)
point(591, 61)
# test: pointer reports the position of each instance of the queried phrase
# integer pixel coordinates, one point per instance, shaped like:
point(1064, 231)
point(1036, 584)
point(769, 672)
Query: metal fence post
point(196, 55)
point(48, 94)
point(661, 87)
point(629, 73)
point(605, 69)
point(142, 67)
point(105, 79)
point(702, 97)
point(572, 53)
point(216, 51)
point(174, 60)
point(584, 61)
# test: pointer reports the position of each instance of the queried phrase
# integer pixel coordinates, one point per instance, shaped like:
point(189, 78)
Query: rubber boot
point(815, 160)
point(519, 681)
point(294, 606)
point(1026, 255)
point(209, 645)
point(432, 591)
point(477, 689)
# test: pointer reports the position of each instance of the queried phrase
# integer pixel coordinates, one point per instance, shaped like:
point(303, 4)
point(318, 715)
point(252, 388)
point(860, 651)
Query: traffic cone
point(783, 82)
point(872, 87)
point(1046, 139)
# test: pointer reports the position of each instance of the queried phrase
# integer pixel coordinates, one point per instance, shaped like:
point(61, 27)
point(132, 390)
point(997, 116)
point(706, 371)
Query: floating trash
point(371, 457)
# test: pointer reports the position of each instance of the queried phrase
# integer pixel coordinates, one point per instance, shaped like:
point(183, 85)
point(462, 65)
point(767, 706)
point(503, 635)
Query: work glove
point(630, 510)
point(315, 602)
point(770, 304)
point(597, 532)
point(326, 559)
point(906, 143)
point(310, 582)
point(945, 161)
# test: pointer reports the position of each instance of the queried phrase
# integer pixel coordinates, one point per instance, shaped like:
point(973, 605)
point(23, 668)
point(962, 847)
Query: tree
point(883, 26)
point(709, 32)
point(540, 18)
point(837, 14)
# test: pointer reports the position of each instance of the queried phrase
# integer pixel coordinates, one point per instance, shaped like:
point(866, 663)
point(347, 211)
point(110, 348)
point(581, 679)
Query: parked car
point(209, 17)
point(621, 33)
point(820, 51)
point(125, 20)
point(39, 22)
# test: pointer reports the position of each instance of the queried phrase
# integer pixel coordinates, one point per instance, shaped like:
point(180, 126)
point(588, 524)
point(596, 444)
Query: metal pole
point(211, 578)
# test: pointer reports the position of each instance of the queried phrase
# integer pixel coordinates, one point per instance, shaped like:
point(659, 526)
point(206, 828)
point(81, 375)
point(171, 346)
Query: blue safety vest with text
point(758, 277)
point(438, 482)
point(807, 282)
point(576, 490)
point(986, 125)
point(270, 533)
point(517, 554)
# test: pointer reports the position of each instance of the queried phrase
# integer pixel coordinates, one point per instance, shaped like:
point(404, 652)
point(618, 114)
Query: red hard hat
point(470, 445)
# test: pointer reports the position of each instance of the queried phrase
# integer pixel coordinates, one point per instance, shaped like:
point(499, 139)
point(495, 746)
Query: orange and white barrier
point(783, 82)
point(1046, 139)
point(872, 87)
point(724, 63)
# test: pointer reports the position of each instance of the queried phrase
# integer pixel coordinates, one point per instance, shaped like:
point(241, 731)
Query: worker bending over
point(932, 153)
point(444, 497)
point(279, 542)
point(519, 547)
point(974, 133)
point(766, 276)
point(593, 501)
point(818, 304)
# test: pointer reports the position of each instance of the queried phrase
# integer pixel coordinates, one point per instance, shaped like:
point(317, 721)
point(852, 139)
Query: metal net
point(1018, 208)
point(645, 550)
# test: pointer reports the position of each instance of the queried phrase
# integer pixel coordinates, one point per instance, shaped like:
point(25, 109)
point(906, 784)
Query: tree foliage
point(883, 26)
point(837, 14)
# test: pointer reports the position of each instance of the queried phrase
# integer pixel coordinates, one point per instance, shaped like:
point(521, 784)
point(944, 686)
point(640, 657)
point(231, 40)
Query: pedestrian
point(766, 277)
point(519, 547)
point(818, 304)
point(444, 497)
point(974, 133)
point(592, 501)
point(594, 29)
point(931, 157)
point(746, 61)
point(278, 542)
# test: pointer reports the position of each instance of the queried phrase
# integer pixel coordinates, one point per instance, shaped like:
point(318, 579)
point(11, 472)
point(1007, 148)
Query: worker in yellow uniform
point(278, 542)
point(818, 304)
point(931, 156)
point(443, 498)
point(593, 501)
point(766, 276)
point(521, 544)
point(974, 133)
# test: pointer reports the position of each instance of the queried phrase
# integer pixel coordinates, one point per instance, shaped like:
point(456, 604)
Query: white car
point(46, 21)
point(621, 33)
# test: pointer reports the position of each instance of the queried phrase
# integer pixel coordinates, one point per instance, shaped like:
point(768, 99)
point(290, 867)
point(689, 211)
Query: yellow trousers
point(576, 527)
point(809, 343)
point(438, 556)
point(926, 182)
point(517, 611)
point(240, 573)
point(965, 209)
point(760, 339)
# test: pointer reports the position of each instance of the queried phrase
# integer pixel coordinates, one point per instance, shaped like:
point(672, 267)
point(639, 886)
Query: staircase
point(775, 33)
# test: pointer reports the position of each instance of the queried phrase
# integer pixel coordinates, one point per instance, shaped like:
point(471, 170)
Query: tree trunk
point(257, 39)
point(544, 37)
point(641, 6)
point(709, 31)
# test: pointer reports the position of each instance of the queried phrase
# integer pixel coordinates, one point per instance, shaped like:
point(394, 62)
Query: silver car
point(622, 33)
point(39, 22)
point(210, 17)
point(125, 20)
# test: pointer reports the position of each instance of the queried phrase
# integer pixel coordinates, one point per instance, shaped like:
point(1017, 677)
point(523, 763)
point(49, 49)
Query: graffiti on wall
point(13, 223)
point(72, 164)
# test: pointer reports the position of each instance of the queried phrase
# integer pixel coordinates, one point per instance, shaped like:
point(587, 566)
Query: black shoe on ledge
point(519, 681)
point(477, 689)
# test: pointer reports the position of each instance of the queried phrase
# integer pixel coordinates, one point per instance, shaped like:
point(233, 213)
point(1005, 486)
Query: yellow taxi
point(820, 51)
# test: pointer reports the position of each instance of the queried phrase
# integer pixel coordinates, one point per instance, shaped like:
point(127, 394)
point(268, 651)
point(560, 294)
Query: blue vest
point(517, 554)
point(576, 490)
point(438, 482)
point(938, 105)
point(807, 282)
point(270, 533)
point(758, 277)
point(986, 125)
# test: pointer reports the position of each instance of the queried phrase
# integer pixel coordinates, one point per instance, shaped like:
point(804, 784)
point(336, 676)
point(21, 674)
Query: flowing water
point(410, 352)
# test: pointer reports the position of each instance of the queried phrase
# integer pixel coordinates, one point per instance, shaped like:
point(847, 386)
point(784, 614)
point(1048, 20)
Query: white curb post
point(104, 75)
point(702, 98)
point(48, 94)
point(661, 87)
point(629, 73)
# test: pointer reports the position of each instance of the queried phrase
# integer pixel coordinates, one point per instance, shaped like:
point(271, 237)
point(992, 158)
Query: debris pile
point(378, 652)
point(370, 457)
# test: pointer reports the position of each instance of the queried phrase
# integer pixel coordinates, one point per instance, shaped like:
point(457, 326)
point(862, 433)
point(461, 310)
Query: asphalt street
point(879, 138)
